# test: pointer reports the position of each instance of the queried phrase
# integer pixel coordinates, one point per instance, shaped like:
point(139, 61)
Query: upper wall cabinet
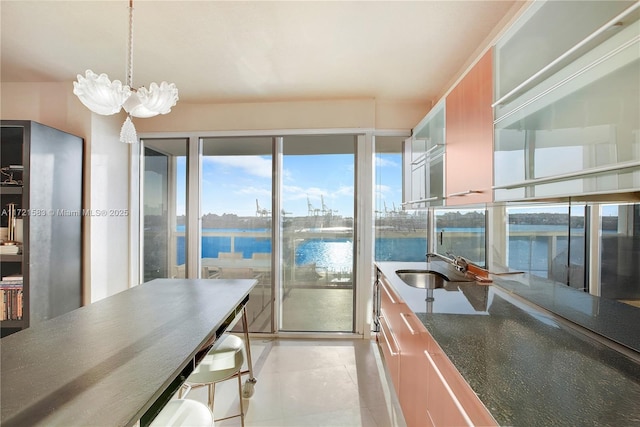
point(548, 33)
point(469, 147)
point(567, 119)
point(423, 162)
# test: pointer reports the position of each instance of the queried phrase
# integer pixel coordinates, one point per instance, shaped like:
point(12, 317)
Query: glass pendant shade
point(105, 97)
point(158, 99)
point(99, 94)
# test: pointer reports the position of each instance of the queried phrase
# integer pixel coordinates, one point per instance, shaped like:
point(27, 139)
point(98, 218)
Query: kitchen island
point(109, 362)
point(528, 367)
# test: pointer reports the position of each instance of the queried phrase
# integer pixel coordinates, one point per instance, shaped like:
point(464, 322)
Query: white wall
point(326, 114)
point(109, 184)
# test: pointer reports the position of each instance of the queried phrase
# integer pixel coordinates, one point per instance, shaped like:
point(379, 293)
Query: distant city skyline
point(321, 183)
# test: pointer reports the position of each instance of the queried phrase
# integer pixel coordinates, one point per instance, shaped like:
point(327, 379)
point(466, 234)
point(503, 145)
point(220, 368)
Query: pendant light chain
point(102, 96)
point(130, 58)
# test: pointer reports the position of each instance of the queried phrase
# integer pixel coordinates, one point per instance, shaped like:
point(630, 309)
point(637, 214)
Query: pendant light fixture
point(102, 96)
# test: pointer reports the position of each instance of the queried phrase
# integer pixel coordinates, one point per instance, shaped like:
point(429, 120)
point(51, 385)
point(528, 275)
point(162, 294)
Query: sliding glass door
point(317, 220)
point(311, 182)
point(164, 208)
point(236, 225)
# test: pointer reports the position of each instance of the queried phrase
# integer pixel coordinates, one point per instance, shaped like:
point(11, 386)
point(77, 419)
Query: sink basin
point(424, 279)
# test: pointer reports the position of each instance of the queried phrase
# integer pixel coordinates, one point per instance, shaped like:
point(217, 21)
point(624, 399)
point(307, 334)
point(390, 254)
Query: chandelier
point(106, 97)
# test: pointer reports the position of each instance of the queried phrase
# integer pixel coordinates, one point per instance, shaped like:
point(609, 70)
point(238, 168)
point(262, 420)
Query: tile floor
point(305, 383)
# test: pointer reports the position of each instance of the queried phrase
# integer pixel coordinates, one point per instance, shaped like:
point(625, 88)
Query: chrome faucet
point(458, 262)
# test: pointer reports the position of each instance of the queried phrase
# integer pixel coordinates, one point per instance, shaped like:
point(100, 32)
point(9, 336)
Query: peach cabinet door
point(443, 407)
point(469, 132)
point(414, 342)
point(391, 305)
point(391, 352)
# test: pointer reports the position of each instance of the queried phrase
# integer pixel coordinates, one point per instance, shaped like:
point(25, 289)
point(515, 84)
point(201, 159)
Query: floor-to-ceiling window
point(400, 235)
point(236, 224)
point(163, 208)
point(317, 218)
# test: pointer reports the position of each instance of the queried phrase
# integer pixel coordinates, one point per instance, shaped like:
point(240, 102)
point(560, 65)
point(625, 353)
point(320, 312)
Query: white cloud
point(383, 162)
point(251, 165)
point(255, 191)
point(383, 189)
point(344, 190)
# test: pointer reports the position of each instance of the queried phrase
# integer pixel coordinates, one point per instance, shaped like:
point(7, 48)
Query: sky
point(232, 184)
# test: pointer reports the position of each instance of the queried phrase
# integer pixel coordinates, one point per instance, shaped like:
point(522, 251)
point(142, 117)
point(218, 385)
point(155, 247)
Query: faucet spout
point(461, 264)
point(458, 262)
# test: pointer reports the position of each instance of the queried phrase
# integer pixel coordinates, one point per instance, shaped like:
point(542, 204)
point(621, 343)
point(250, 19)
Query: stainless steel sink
point(424, 279)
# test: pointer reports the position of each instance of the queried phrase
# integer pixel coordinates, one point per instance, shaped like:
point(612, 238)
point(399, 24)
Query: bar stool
point(223, 362)
point(183, 413)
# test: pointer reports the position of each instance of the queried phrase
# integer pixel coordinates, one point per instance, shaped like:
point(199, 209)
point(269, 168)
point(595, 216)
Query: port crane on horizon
point(311, 210)
point(260, 211)
point(325, 210)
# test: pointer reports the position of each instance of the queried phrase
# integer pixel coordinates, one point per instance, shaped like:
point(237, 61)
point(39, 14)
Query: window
point(461, 232)
point(400, 235)
point(164, 208)
point(620, 252)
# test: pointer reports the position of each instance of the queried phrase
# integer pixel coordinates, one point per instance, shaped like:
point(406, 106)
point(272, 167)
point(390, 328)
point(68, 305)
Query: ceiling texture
point(253, 51)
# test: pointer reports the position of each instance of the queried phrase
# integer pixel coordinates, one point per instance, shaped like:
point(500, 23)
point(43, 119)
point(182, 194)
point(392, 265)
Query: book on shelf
point(11, 304)
point(11, 282)
point(9, 249)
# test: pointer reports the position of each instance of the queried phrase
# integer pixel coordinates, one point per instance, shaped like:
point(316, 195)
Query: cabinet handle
point(571, 175)
point(419, 160)
point(432, 149)
point(386, 338)
point(449, 391)
point(386, 291)
point(429, 199)
point(405, 317)
point(464, 193)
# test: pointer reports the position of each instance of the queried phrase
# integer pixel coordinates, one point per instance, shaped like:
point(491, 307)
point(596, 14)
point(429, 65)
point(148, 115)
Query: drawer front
point(391, 307)
point(391, 353)
point(388, 296)
point(450, 400)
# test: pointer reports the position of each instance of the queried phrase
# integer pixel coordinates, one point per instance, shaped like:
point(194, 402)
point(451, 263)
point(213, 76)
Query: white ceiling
point(253, 51)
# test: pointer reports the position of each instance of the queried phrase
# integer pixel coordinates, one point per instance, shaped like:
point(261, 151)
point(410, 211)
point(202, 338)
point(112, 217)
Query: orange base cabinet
point(390, 307)
point(414, 340)
point(389, 347)
point(430, 389)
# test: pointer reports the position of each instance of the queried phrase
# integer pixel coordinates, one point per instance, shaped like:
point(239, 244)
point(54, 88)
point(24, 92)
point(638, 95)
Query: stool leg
point(249, 386)
point(212, 390)
point(247, 346)
point(240, 398)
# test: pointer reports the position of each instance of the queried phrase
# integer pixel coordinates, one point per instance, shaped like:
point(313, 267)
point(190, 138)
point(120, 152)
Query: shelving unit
point(45, 192)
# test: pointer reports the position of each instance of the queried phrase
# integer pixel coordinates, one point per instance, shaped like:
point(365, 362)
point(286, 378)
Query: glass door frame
point(137, 214)
point(363, 211)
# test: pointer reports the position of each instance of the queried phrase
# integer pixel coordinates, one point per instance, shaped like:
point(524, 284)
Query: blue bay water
point(525, 252)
